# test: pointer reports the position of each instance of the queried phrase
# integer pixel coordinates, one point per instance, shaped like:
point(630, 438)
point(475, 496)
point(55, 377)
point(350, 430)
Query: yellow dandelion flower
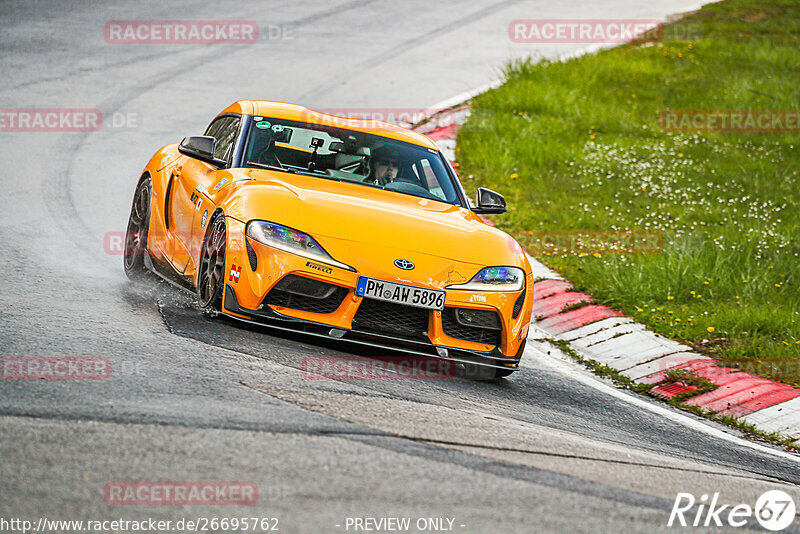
point(515, 175)
point(670, 297)
point(710, 328)
point(691, 292)
point(639, 310)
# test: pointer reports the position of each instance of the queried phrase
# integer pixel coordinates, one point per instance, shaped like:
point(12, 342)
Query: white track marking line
point(562, 364)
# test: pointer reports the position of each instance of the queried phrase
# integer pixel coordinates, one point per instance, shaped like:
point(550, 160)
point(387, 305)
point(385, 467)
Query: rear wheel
point(136, 235)
point(211, 280)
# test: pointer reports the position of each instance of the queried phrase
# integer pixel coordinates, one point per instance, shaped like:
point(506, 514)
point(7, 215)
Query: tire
point(482, 373)
point(502, 373)
point(210, 278)
point(136, 234)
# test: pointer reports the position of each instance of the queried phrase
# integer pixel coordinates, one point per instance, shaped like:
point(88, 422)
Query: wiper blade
point(274, 167)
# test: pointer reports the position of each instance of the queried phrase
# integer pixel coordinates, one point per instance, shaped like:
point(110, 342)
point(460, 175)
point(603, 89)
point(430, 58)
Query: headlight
point(495, 279)
point(289, 240)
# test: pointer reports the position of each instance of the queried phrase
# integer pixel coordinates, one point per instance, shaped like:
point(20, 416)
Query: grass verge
point(577, 148)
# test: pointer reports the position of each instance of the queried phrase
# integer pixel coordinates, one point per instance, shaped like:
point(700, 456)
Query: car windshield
point(349, 156)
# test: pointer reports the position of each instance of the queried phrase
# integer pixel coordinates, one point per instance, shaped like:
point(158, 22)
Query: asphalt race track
point(194, 399)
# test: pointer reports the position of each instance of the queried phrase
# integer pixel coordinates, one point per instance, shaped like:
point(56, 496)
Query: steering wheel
point(402, 186)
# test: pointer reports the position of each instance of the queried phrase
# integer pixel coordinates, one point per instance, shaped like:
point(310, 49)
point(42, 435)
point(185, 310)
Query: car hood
point(351, 219)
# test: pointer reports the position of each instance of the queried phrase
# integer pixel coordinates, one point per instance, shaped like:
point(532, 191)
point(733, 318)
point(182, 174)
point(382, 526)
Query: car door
point(192, 179)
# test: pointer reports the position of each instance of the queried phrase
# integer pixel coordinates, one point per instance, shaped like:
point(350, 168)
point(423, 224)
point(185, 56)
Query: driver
point(385, 163)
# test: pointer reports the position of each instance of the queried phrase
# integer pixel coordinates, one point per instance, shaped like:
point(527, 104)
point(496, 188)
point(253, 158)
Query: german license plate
point(431, 299)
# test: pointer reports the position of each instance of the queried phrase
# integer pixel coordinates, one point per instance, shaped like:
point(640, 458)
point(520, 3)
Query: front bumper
point(255, 295)
point(274, 319)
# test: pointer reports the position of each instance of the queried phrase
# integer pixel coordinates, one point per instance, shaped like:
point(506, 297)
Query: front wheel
point(210, 279)
point(481, 373)
point(136, 235)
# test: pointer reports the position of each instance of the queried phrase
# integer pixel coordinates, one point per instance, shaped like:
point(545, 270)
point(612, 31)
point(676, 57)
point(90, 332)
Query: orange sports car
point(345, 228)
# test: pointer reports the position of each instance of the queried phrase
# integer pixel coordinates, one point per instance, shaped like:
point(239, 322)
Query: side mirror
point(199, 147)
point(489, 202)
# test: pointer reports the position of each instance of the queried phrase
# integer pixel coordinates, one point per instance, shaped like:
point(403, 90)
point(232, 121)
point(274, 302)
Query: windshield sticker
point(277, 128)
point(220, 184)
point(263, 125)
point(258, 118)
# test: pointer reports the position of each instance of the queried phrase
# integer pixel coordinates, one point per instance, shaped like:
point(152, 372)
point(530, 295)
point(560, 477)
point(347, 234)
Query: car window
point(348, 155)
point(224, 131)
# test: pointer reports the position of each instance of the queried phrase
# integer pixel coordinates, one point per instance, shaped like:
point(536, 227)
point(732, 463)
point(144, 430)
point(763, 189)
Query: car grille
point(381, 317)
point(486, 329)
point(304, 294)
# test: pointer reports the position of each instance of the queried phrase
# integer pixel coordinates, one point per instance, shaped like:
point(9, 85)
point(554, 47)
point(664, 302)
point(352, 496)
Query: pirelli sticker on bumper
point(318, 267)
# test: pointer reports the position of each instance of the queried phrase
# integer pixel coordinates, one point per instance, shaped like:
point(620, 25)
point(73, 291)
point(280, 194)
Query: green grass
point(577, 147)
point(689, 378)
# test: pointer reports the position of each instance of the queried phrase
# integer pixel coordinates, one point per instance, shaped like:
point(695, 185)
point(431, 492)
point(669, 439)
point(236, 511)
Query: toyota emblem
point(406, 265)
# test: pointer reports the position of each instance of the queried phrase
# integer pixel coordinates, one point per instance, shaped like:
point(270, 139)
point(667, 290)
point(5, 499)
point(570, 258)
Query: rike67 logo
point(774, 510)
